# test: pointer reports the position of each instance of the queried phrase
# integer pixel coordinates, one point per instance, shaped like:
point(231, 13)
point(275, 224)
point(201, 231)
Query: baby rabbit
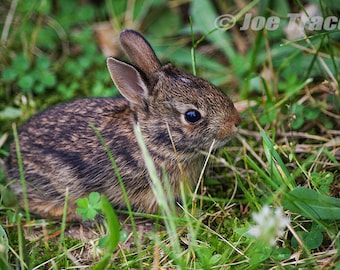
point(178, 114)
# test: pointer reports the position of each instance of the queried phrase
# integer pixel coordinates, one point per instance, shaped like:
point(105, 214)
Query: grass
point(285, 156)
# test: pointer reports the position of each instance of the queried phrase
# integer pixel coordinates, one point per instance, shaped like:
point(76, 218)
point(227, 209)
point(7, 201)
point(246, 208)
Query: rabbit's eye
point(192, 116)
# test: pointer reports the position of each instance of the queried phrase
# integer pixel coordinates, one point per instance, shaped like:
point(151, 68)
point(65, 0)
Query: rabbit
point(178, 114)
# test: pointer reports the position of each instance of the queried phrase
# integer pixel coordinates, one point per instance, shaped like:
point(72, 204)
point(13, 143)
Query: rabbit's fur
point(60, 150)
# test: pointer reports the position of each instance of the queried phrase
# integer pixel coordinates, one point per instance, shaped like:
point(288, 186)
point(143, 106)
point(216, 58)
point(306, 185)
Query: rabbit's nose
point(235, 121)
point(229, 129)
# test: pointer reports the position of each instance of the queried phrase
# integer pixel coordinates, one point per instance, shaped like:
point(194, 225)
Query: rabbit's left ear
point(139, 52)
point(128, 80)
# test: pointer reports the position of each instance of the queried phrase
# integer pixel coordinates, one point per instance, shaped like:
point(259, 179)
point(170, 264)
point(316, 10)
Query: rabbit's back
point(60, 149)
point(66, 128)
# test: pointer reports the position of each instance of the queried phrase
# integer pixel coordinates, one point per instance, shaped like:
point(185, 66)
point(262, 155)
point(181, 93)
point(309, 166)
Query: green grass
point(286, 154)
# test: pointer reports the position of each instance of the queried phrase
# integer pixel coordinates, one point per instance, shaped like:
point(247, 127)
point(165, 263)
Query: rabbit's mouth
point(218, 144)
point(214, 145)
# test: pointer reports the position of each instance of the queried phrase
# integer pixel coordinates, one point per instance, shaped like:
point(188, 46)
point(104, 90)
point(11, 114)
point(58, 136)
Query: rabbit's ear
point(127, 79)
point(139, 51)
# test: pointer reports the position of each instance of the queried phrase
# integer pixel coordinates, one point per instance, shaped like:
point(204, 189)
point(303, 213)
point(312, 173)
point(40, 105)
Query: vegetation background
point(284, 82)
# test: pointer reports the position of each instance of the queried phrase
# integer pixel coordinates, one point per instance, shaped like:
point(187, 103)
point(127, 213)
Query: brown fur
point(60, 150)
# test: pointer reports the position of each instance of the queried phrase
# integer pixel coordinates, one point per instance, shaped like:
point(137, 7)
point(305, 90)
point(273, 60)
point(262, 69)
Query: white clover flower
point(270, 224)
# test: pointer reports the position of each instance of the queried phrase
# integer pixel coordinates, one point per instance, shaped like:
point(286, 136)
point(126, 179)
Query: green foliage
point(280, 254)
point(10, 113)
point(312, 204)
point(322, 181)
point(302, 113)
point(43, 251)
point(89, 207)
point(35, 77)
point(258, 255)
point(311, 240)
point(4, 248)
point(207, 257)
point(35, 70)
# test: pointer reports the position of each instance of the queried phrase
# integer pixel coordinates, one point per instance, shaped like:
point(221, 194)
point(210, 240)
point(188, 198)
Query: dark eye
point(192, 116)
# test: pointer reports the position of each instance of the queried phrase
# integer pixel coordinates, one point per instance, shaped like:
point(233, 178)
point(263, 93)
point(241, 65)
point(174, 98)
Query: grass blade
point(311, 204)
point(22, 174)
point(164, 200)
